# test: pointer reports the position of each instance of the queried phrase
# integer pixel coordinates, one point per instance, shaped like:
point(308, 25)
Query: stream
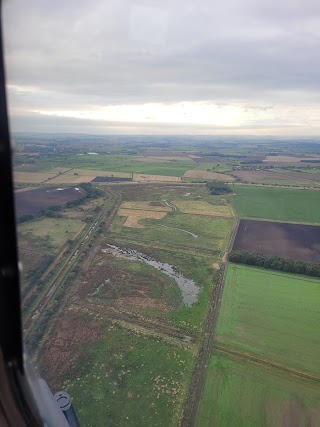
point(188, 287)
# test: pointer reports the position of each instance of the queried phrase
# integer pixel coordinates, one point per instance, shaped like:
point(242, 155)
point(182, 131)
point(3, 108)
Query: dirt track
point(199, 378)
point(244, 356)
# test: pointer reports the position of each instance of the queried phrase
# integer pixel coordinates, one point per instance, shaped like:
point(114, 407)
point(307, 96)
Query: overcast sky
point(164, 67)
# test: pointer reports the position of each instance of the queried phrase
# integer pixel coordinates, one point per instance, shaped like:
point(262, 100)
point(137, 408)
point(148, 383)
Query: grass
point(129, 379)
point(213, 233)
point(56, 231)
point(120, 163)
point(202, 207)
point(278, 204)
point(240, 394)
point(271, 315)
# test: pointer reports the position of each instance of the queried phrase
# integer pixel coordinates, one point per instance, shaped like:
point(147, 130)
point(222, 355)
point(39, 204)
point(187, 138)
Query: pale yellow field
point(203, 208)
point(95, 172)
point(135, 215)
point(54, 230)
point(71, 179)
point(144, 177)
point(288, 159)
point(58, 169)
point(32, 177)
point(145, 206)
point(207, 175)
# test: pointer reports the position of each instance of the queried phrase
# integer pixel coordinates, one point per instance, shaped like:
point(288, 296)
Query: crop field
point(33, 201)
point(94, 173)
point(121, 163)
point(264, 367)
point(32, 177)
point(203, 208)
point(138, 177)
point(241, 393)
point(134, 216)
point(268, 177)
point(259, 306)
point(295, 241)
point(71, 179)
point(277, 204)
point(195, 173)
point(289, 159)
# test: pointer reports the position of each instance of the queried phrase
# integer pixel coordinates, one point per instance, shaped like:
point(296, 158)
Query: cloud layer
point(248, 66)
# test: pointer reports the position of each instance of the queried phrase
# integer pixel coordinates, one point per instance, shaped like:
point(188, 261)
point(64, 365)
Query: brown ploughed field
point(295, 241)
point(33, 201)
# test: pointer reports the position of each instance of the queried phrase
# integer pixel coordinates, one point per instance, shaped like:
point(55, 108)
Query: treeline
point(218, 187)
point(275, 263)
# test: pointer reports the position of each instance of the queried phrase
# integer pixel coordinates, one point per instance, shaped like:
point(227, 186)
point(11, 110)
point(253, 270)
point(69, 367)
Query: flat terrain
point(31, 177)
point(295, 241)
point(268, 177)
point(259, 306)
point(238, 393)
point(203, 208)
point(137, 340)
point(33, 201)
point(207, 175)
point(264, 366)
point(55, 230)
point(277, 204)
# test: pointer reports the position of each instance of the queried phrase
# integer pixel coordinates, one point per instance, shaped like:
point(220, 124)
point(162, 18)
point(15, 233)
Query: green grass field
point(129, 379)
point(237, 393)
point(120, 163)
point(56, 231)
point(271, 315)
point(213, 233)
point(277, 204)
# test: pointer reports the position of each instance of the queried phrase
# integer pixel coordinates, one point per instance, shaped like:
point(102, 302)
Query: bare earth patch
point(207, 175)
point(216, 266)
point(203, 208)
point(135, 215)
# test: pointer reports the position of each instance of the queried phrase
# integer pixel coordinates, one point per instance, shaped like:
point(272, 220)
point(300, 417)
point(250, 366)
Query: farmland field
point(277, 204)
point(121, 163)
point(238, 393)
point(269, 177)
point(259, 306)
point(207, 175)
point(295, 241)
point(260, 372)
point(33, 201)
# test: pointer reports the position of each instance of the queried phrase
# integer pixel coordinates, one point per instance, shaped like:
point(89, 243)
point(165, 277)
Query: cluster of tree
point(251, 162)
point(218, 187)
point(275, 263)
point(310, 161)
